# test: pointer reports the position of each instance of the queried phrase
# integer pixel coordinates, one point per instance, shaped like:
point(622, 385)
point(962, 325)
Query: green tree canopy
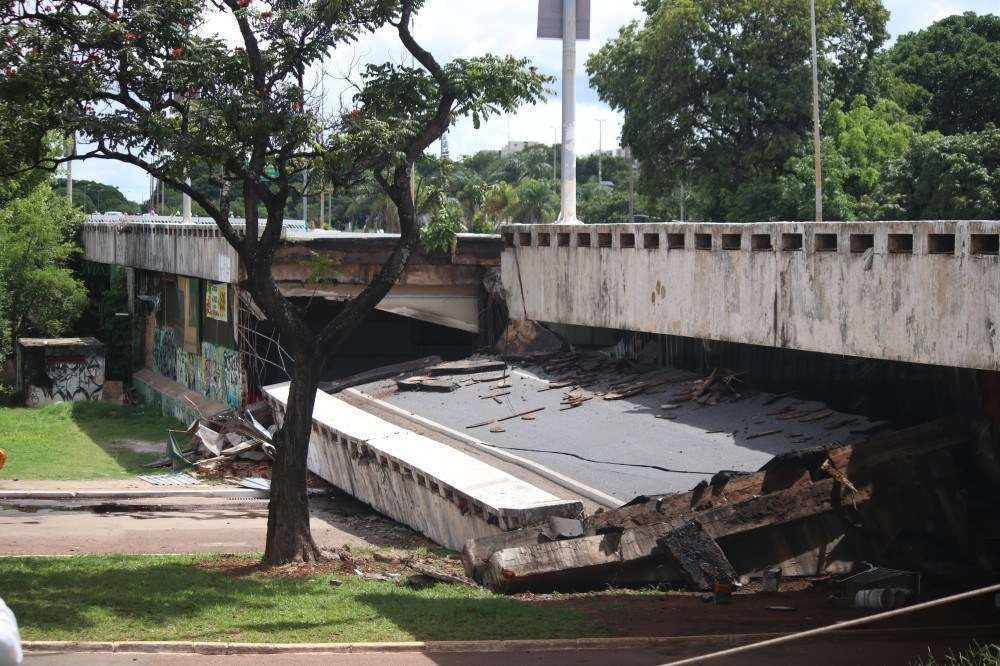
point(147, 83)
point(93, 197)
point(946, 177)
point(719, 90)
point(859, 143)
point(956, 65)
point(38, 293)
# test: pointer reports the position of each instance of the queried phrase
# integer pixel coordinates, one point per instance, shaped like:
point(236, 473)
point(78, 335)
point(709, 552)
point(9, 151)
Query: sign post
point(568, 20)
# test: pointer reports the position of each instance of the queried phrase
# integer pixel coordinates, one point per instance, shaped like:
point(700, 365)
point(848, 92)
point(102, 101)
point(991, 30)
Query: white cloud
point(463, 28)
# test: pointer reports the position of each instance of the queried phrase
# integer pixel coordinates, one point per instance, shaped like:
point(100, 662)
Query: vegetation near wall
point(716, 96)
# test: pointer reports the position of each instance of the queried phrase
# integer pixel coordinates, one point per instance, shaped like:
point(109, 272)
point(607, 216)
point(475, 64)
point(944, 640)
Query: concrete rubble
point(812, 512)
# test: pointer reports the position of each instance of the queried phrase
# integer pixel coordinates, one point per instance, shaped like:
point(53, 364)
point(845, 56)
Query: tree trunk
point(289, 538)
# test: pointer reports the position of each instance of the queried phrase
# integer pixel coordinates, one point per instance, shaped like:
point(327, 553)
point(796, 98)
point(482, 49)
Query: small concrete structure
point(920, 292)
point(439, 491)
point(60, 369)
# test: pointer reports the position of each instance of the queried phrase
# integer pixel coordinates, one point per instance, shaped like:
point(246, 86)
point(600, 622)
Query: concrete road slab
point(654, 455)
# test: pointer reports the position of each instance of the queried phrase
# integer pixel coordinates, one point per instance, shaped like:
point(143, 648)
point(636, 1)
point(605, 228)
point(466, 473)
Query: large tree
point(717, 92)
point(39, 295)
point(143, 82)
point(955, 63)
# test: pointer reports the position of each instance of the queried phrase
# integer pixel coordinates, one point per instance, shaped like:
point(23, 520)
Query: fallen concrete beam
point(637, 555)
point(437, 490)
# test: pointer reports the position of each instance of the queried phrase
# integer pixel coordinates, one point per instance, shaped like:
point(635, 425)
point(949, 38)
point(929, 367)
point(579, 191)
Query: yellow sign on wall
point(217, 301)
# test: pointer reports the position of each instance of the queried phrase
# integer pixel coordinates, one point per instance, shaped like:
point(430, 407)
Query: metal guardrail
point(291, 225)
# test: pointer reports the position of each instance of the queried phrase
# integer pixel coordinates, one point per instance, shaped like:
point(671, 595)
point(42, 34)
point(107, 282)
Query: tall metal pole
point(70, 152)
point(817, 157)
point(569, 113)
point(555, 157)
point(186, 203)
point(600, 151)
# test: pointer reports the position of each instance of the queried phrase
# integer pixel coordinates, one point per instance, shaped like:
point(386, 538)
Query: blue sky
point(460, 28)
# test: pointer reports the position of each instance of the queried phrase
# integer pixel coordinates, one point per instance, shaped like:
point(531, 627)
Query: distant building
point(514, 147)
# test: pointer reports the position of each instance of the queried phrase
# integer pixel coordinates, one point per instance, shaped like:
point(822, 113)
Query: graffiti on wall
point(70, 379)
point(216, 372)
point(165, 352)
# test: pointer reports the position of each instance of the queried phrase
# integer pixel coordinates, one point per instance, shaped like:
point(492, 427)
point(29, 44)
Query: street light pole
point(817, 150)
point(568, 215)
point(600, 151)
point(555, 157)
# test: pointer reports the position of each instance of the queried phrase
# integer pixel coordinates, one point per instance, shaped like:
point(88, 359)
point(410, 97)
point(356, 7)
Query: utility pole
point(555, 156)
point(817, 150)
point(600, 150)
point(568, 215)
point(631, 190)
point(70, 152)
point(186, 204)
point(559, 19)
point(305, 199)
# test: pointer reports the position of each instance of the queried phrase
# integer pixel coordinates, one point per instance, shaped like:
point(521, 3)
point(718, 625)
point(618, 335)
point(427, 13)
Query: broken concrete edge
point(594, 495)
point(239, 493)
point(549, 645)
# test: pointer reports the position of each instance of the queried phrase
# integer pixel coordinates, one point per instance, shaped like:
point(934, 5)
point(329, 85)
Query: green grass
point(79, 440)
point(171, 598)
point(976, 654)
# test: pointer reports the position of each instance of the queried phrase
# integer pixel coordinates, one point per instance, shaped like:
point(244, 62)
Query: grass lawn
point(81, 440)
point(183, 598)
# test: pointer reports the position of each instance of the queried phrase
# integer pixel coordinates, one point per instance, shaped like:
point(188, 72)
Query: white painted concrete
point(919, 306)
point(435, 489)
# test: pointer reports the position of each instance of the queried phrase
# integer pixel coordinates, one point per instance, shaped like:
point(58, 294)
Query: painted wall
point(67, 374)
point(216, 372)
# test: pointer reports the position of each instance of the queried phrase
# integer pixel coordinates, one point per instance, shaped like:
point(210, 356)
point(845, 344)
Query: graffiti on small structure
point(61, 369)
point(76, 379)
point(165, 353)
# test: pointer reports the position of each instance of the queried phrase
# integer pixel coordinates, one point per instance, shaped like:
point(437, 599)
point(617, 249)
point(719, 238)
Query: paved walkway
point(201, 525)
point(815, 652)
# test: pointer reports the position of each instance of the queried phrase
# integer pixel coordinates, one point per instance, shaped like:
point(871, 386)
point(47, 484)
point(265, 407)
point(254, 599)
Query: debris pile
point(223, 446)
point(811, 512)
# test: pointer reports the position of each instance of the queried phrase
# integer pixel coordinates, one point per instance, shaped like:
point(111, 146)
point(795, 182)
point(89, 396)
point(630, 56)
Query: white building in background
point(514, 147)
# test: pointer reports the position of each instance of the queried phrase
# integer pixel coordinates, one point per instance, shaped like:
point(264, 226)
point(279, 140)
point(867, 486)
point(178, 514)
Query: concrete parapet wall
point(195, 250)
point(922, 292)
point(439, 491)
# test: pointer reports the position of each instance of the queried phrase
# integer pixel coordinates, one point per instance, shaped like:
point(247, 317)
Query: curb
point(553, 645)
point(511, 646)
point(242, 493)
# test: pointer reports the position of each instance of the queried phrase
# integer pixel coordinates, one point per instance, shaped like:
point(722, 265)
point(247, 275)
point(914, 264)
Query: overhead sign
point(550, 19)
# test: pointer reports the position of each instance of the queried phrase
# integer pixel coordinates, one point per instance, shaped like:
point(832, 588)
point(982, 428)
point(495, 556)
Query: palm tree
point(499, 202)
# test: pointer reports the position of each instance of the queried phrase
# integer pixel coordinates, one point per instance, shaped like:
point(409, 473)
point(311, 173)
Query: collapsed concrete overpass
point(919, 292)
point(441, 288)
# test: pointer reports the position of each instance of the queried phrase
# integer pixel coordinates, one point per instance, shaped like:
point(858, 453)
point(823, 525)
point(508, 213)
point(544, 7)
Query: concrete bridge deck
point(445, 494)
point(922, 292)
point(439, 287)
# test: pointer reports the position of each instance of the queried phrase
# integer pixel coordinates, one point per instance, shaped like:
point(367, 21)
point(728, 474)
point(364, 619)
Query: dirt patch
point(686, 614)
point(139, 446)
point(377, 565)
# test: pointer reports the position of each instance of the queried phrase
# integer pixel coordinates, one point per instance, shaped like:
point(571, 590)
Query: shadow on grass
point(114, 427)
point(171, 598)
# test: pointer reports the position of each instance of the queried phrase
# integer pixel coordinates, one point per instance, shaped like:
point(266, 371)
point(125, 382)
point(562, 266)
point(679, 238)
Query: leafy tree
point(718, 91)
point(615, 169)
point(144, 84)
point(537, 201)
point(955, 64)
point(93, 197)
point(946, 177)
point(599, 204)
point(500, 201)
point(38, 293)
point(859, 144)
